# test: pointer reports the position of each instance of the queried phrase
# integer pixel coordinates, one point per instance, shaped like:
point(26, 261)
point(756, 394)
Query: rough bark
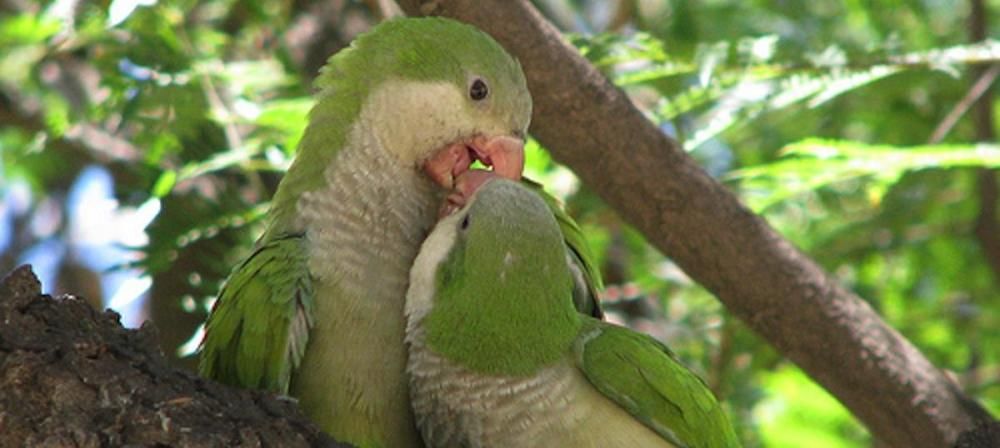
point(72, 376)
point(592, 127)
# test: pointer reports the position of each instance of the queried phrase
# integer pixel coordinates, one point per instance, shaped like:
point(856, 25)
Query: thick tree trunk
point(71, 376)
point(835, 336)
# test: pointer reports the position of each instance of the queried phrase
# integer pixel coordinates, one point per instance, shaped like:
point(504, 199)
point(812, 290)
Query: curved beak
point(505, 154)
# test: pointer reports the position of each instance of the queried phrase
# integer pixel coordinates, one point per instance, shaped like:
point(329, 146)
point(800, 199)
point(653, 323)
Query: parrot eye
point(465, 222)
point(478, 90)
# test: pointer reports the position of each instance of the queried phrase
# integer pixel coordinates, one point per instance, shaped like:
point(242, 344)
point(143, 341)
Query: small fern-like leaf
point(812, 164)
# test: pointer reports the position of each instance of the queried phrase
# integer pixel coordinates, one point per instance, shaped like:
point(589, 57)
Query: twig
point(975, 93)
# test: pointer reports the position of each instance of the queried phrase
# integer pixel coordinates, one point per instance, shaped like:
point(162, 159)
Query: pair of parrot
point(491, 335)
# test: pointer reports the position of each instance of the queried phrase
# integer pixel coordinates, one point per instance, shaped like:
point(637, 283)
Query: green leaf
point(814, 163)
point(288, 116)
point(248, 77)
point(756, 77)
point(23, 29)
point(165, 183)
point(218, 161)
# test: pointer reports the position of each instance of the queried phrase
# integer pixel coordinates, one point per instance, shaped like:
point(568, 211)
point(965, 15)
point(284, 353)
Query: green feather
point(587, 288)
point(641, 375)
point(258, 328)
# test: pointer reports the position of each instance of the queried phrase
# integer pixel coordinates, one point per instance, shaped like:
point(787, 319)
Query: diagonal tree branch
point(833, 334)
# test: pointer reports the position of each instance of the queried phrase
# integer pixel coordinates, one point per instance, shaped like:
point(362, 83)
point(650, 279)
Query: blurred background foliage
point(140, 141)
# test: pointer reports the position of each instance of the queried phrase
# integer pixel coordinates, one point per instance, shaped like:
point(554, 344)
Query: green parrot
point(499, 356)
point(316, 310)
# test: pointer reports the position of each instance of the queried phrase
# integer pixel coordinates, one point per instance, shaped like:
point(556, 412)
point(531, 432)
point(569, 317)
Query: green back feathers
point(586, 293)
point(416, 49)
point(259, 339)
point(488, 313)
point(643, 377)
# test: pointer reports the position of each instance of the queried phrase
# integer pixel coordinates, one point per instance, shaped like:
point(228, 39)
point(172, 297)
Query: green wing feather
point(258, 329)
point(645, 378)
point(587, 278)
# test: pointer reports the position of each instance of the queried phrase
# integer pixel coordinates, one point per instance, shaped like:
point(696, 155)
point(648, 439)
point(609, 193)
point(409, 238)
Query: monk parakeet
point(316, 311)
point(499, 357)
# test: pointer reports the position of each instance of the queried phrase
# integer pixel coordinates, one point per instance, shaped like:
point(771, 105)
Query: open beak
point(505, 154)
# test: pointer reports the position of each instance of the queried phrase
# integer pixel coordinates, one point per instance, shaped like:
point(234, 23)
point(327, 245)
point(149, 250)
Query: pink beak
point(504, 153)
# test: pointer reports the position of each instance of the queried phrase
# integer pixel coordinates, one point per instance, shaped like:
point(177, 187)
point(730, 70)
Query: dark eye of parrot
point(465, 222)
point(478, 90)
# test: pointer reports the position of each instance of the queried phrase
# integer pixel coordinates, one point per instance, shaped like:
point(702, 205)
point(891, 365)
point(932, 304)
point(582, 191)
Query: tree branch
point(74, 377)
point(987, 227)
point(592, 127)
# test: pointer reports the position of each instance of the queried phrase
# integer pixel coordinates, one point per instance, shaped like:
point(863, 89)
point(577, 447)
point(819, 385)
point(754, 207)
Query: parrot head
point(435, 93)
point(427, 95)
point(491, 285)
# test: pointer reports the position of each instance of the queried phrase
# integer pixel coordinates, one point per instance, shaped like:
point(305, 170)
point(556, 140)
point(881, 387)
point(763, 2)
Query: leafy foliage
point(727, 85)
point(814, 164)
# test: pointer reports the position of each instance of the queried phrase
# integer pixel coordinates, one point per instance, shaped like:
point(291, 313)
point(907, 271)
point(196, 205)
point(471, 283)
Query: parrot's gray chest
point(456, 407)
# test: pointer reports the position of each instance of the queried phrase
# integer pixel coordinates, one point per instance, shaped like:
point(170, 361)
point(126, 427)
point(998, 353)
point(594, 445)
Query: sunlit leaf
point(164, 183)
point(289, 116)
point(23, 29)
point(813, 164)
